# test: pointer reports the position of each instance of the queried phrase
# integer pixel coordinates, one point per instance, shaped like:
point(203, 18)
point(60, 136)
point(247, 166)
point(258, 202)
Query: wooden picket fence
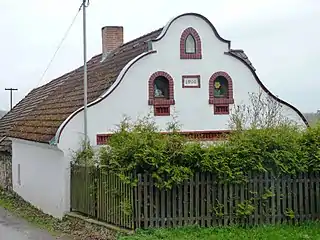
point(202, 200)
point(101, 196)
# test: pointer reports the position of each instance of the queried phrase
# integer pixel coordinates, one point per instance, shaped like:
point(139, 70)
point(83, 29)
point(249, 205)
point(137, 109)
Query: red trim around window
point(161, 105)
point(198, 54)
point(210, 135)
point(221, 105)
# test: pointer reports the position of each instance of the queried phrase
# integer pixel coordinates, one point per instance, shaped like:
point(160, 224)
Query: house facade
point(185, 69)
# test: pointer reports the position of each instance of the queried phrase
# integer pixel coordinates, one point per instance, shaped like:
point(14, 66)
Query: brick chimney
point(112, 38)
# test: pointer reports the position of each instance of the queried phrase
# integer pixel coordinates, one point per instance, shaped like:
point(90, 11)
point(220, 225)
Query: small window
point(220, 87)
point(190, 44)
point(161, 87)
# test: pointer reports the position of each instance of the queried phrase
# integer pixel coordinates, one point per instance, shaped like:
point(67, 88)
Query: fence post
point(71, 186)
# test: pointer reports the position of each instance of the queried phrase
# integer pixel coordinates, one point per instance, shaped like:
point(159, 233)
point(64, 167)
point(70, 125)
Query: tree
point(263, 111)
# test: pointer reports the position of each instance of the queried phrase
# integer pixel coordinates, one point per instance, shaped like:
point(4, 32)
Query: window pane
point(161, 87)
point(220, 87)
point(190, 44)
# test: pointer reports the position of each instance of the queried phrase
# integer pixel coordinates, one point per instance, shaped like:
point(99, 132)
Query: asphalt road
point(12, 228)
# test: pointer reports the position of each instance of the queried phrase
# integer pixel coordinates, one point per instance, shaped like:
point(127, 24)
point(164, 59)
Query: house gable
point(49, 108)
point(131, 96)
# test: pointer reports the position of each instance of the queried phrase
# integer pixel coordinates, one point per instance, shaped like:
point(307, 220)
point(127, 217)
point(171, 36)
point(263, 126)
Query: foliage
point(139, 147)
point(263, 140)
point(290, 213)
point(86, 155)
point(262, 111)
point(283, 231)
point(311, 147)
point(245, 208)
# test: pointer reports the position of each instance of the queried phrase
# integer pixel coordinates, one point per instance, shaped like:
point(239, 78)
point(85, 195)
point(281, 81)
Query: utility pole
point(11, 90)
point(84, 5)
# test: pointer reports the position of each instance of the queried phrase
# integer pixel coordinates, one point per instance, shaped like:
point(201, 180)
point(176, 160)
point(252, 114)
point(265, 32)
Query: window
point(161, 87)
point(161, 93)
point(190, 46)
point(220, 92)
point(220, 87)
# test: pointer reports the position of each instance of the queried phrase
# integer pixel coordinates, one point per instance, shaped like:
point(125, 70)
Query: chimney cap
point(112, 27)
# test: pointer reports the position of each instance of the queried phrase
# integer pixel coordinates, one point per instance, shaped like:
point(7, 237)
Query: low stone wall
point(5, 171)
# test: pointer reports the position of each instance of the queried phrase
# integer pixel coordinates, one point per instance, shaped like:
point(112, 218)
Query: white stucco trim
point(104, 95)
point(166, 27)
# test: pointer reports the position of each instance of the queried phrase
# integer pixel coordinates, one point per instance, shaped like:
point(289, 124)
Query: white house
point(185, 67)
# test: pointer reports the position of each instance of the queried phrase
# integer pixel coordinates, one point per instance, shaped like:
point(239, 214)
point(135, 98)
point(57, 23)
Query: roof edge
point(103, 96)
point(3, 138)
point(166, 27)
point(268, 91)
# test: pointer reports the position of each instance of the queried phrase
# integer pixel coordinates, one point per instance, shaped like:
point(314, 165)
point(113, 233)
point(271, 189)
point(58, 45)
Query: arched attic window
point(161, 94)
point(190, 44)
point(221, 92)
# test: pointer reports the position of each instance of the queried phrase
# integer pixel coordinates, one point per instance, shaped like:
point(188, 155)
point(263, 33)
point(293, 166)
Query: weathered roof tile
point(38, 116)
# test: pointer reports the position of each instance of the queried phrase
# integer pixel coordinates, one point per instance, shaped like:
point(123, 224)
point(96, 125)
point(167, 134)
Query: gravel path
point(13, 228)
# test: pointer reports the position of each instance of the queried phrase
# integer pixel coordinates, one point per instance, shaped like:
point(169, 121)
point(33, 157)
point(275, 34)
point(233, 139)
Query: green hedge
point(138, 147)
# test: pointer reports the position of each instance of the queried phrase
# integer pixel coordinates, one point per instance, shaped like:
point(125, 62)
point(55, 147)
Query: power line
point(60, 44)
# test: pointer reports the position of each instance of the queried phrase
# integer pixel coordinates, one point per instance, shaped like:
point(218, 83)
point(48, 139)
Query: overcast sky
point(281, 38)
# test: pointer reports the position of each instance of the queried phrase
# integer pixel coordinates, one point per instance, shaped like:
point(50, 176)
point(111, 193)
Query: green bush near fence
point(139, 147)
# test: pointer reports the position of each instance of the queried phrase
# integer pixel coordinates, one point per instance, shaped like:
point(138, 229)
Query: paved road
point(12, 228)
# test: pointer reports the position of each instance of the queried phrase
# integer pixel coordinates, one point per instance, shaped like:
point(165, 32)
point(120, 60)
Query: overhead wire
point(61, 42)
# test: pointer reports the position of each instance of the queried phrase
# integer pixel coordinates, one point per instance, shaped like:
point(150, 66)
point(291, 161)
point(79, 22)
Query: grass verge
point(310, 231)
point(68, 227)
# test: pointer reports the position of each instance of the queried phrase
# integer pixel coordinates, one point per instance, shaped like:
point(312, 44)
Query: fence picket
point(295, 199)
point(163, 207)
point(208, 200)
point(317, 190)
point(145, 200)
point(174, 206)
point(201, 199)
point(306, 195)
point(191, 201)
point(185, 203)
point(301, 208)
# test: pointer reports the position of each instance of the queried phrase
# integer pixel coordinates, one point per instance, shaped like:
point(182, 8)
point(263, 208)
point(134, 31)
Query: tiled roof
point(38, 116)
point(240, 53)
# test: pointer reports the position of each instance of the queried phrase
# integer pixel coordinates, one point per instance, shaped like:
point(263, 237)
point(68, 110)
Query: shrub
point(263, 140)
point(139, 147)
point(310, 143)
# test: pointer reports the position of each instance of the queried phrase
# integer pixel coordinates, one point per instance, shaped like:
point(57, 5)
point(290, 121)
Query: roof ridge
point(139, 38)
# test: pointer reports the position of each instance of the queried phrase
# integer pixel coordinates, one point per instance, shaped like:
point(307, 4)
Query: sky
point(281, 38)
